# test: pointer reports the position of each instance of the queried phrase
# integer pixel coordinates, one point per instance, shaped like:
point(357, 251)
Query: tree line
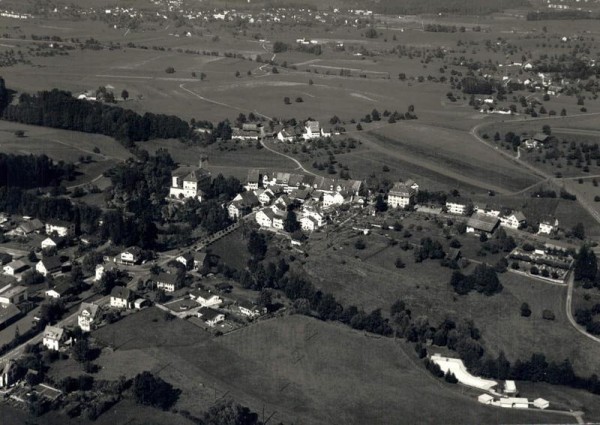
point(31, 171)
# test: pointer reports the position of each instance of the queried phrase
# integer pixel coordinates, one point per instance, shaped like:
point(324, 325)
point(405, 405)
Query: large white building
point(401, 195)
point(189, 183)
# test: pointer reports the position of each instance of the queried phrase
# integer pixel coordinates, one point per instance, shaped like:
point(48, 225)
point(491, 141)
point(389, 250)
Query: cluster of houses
point(486, 219)
point(310, 130)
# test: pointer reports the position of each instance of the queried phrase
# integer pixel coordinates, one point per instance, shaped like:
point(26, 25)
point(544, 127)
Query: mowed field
point(369, 280)
point(307, 372)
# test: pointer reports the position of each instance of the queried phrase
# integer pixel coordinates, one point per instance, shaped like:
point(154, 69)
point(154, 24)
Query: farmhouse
point(479, 223)
point(121, 297)
point(332, 199)
point(286, 135)
point(53, 338)
point(211, 317)
point(488, 210)
point(312, 130)
point(13, 294)
point(131, 255)
point(309, 223)
point(49, 265)
point(205, 298)
point(87, 315)
point(242, 204)
point(187, 184)
point(401, 195)
point(167, 281)
point(265, 217)
point(60, 228)
point(194, 261)
point(29, 227)
point(248, 132)
point(266, 197)
point(15, 267)
point(52, 242)
point(514, 220)
point(457, 205)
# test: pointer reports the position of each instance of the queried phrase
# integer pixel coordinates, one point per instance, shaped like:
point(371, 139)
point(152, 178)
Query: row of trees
point(59, 109)
point(31, 171)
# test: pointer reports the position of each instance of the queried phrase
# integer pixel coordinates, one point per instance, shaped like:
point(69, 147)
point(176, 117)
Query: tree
point(586, 266)
point(150, 390)
point(291, 223)
point(578, 231)
point(124, 94)
point(380, 204)
point(547, 130)
point(399, 263)
point(257, 245)
point(525, 310)
point(265, 298)
point(287, 100)
point(170, 70)
point(81, 350)
point(225, 412)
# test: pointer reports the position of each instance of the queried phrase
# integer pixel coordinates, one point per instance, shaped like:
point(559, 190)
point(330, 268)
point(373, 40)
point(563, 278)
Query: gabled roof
point(8, 311)
point(17, 265)
point(121, 292)
point(540, 137)
point(133, 250)
point(313, 126)
point(196, 175)
point(208, 313)
point(168, 278)
point(201, 293)
point(92, 309)
point(57, 240)
point(53, 332)
point(482, 222)
point(51, 263)
point(401, 189)
point(62, 288)
point(519, 216)
point(248, 305)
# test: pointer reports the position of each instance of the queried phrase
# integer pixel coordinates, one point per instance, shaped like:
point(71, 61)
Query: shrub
point(548, 315)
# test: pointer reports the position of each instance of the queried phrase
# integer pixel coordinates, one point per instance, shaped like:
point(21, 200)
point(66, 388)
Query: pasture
point(304, 377)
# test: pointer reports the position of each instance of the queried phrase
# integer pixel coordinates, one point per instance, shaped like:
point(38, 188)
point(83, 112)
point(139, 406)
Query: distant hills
point(460, 7)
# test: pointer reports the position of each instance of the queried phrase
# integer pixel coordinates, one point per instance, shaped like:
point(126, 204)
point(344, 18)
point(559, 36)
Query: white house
point(331, 199)
point(205, 298)
point(87, 316)
point(53, 337)
point(513, 220)
point(121, 297)
point(13, 294)
point(167, 281)
point(400, 196)
point(264, 218)
point(278, 221)
point(548, 226)
point(211, 317)
point(59, 290)
point(457, 206)
point(488, 210)
point(189, 184)
point(60, 227)
point(248, 309)
point(49, 265)
point(15, 267)
point(266, 197)
point(312, 130)
point(309, 224)
point(52, 242)
point(286, 136)
point(131, 255)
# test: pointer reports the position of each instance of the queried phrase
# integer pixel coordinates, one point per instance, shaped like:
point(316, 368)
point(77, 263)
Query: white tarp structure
point(458, 369)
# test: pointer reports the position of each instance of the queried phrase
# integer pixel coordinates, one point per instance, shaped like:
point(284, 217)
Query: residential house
point(309, 224)
point(253, 179)
point(266, 197)
point(87, 316)
point(28, 227)
point(167, 281)
point(488, 210)
point(121, 297)
point(312, 130)
point(401, 195)
point(15, 267)
point(49, 265)
point(13, 294)
point(60, 290)
point(248, 131)
point(60, 228)
point(332, 199)
point(211, 317)
point(248, 309)
point(131, 255)
point(205, 298)
point(195, 261)
point(101, 270)
point(514, 220)
point(286, 135)
point(242, 204)
point(187, 184)
point(265, 217)
point(548, 226)
point(9, 313)
point(9, 374)
point(53, 338)
point(457, 205)
point(52, 242)
point(300, 195)
point(480, 223)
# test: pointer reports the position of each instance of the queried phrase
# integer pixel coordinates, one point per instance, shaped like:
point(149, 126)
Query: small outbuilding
point(540, 403)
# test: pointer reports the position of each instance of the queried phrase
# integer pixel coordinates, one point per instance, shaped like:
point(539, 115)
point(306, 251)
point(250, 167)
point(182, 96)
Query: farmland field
point(300, 378)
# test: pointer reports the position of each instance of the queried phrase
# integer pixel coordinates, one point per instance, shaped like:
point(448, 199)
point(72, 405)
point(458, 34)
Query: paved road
point(570, 286)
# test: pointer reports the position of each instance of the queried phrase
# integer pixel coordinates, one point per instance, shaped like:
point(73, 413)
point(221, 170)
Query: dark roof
point(540, 137)
point(208, 313)
point(62, 223)
point(248, 304)
point(8, 312)
point(166, 278)
point(483, 222)
point(401, 189)
point(121, 292)
point(52, 263)
point(62, 288)
point(201, 293)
